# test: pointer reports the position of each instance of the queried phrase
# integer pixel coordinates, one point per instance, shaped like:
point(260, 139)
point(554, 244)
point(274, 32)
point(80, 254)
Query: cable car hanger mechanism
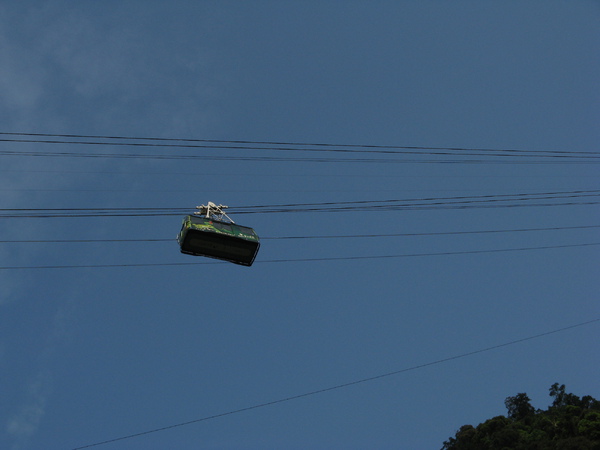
point(212, 211)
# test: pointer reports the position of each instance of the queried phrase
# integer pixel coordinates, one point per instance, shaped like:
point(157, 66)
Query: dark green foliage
point(519, 407)
point(569, 423)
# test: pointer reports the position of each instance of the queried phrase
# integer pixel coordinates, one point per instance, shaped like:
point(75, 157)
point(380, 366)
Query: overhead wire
point(344, 236)
point(342, 385)
point(320, 259)
point(457, 202)
point(243, 144)
point(314, 210)
point(587, 160)
point(577, 157)
point(409, 203)
point(288, 175)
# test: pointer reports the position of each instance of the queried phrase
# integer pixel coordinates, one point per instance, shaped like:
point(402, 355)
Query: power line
point(343, 385)
point(487, 196)
point(243, 144)
point(313, 210)
point(333, 258)
point(561, 156)
point(344, 236)
point(460, 202)
point(442, 233)
point(304, 175)
point(409, 203)
point(575, 159)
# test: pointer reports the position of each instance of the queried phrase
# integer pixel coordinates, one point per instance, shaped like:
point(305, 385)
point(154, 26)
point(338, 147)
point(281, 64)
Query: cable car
point(213, 234)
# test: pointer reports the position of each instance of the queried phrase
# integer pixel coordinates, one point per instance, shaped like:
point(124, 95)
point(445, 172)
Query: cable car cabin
point(202, 236)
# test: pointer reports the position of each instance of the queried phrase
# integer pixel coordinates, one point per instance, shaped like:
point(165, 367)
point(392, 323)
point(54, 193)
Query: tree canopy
point(569, 423)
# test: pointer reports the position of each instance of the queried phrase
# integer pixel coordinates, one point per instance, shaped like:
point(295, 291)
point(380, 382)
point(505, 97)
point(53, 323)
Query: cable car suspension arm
point(213, 211)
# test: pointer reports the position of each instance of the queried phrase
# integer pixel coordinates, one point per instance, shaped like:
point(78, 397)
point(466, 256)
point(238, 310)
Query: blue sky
point(93, 354)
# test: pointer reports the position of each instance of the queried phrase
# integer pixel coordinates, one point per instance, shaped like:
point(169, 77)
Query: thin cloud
point(25, 422)
point(23, 425)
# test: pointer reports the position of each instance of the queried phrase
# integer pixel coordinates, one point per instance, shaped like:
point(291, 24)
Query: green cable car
point(209, 234)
